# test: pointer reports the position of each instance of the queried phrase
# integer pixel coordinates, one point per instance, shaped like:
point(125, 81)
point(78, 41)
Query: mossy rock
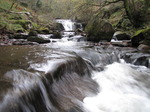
point(98, 30)
point(119, 35)
point(18, 36)
point(43, 30)
point(37, 39)
point(33, 33)
point(57, 26)
point(26, 24)
point(141, 37)
point(56, 35)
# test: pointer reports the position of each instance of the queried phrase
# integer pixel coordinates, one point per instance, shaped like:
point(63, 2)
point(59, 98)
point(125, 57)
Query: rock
point(37, 39)
point(98, 30)
point(137, 58)
point(32, 33)
point(141, 37)
point(56, 35)
point(143, 47)
point(18, 36)
point(24, 43)
point(57, 26)
point(121, 36)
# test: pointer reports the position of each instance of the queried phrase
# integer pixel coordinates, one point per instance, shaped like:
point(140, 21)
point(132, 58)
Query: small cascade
point(68, 24)
point(71, 29)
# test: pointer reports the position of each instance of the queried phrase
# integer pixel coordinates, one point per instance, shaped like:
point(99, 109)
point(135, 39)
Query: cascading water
point(68, 24)
point(72, 77)
point(70, 30)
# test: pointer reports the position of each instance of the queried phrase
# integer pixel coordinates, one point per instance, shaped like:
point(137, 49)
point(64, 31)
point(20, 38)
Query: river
point(73, 76)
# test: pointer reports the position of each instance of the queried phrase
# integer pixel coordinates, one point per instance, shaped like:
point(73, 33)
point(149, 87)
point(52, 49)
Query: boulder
point(56, 35)
point(98, 30)
point(141, 37)
point(121, 36)
point(57, 26)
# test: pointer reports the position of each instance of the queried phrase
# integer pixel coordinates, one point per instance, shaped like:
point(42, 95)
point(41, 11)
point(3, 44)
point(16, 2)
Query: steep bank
point(15, 18)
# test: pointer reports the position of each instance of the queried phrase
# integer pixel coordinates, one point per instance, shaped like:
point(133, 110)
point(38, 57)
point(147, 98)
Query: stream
point(73, 75)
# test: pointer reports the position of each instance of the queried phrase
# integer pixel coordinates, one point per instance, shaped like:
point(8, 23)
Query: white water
point(67, 23)
point(122, 89)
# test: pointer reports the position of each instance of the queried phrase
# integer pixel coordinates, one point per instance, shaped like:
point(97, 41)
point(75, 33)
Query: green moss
point(5, 4)
point(3, 24)
point(23, 23)
point(141, 36)
point(141, 31)
point(15, 27)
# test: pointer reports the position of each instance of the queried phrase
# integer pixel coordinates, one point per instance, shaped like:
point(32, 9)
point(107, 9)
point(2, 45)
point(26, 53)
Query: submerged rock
point(37, 39)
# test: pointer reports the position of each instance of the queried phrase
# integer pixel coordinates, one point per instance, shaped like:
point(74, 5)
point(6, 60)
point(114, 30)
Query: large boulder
point(98, 30)
point(141, 37)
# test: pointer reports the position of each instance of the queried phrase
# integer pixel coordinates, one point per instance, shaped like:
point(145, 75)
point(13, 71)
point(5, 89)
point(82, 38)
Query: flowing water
point(71, 76)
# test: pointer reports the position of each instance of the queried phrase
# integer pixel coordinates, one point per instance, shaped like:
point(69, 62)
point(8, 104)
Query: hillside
point(17, 18)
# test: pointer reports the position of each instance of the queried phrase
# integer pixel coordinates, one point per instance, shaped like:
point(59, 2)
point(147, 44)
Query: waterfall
point(70, 25)
point(72, 31)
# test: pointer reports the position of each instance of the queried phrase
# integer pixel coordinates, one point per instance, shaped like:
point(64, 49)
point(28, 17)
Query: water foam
point(120, 91)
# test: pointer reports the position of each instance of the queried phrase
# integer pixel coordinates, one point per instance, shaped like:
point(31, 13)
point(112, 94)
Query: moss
point(3, 24)
point(5, 5)
point(23, 23)
point(140, 32)
point(15, 27)
point(141, 36)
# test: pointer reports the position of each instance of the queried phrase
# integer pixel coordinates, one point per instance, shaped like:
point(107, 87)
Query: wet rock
point(143, 47)
point(23, 42)
point(137, 59)
point(18, 36)
point(56, 35)
point(37, 39)
point(121, 36)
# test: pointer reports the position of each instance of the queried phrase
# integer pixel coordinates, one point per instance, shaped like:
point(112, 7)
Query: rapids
point(71, 76)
